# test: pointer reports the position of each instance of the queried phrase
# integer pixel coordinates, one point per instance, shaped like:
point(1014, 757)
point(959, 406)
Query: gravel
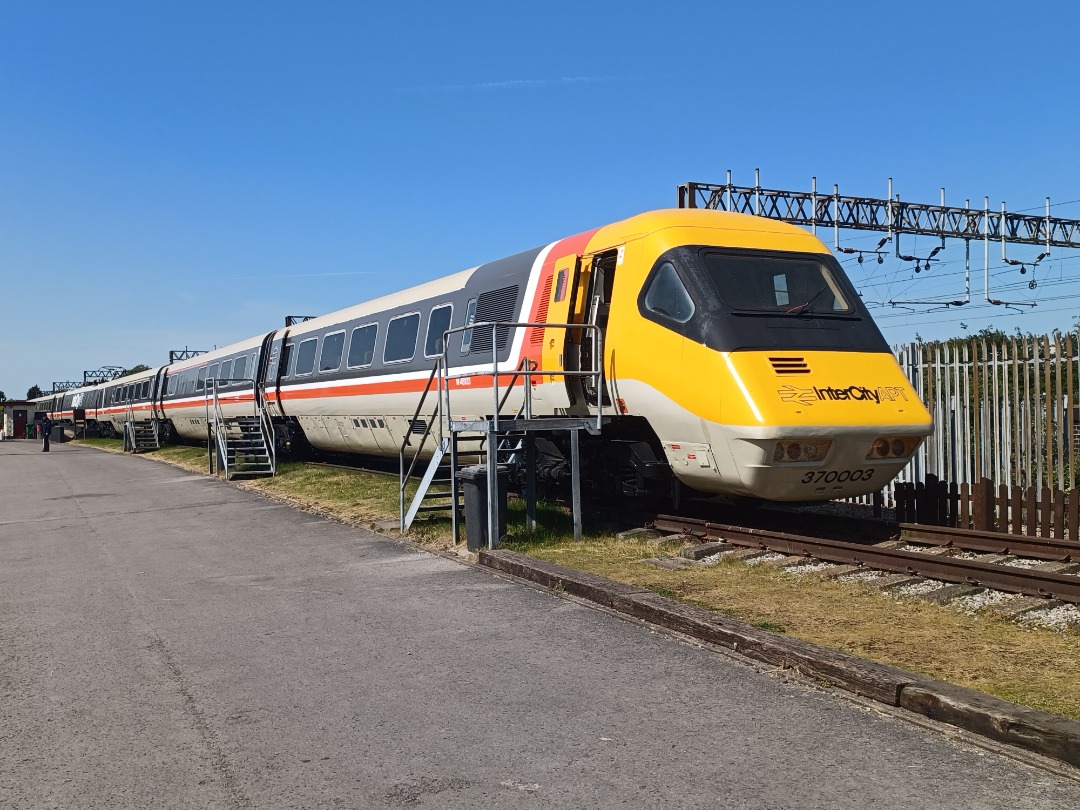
point(1062, 617)
point(977, 601)
point(916, 589)
point(809, 567)
point(765, 558)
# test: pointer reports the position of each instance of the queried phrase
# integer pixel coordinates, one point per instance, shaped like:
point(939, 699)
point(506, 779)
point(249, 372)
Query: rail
point(267, 423)
point(503, 383)
point(129, 426)
point(404, 474)
point(1031, 582)
point(595, 372)
point(214, 428)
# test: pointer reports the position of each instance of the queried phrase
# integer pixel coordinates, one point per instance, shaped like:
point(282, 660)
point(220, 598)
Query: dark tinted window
point(212, 372)
point(362, 345)
point(240, 368)
point(226, 370)
point(332, 347)
point(305, 356)
point(401, 338)
point(438, 322)
point(667, 296)
point(287, 355)
point(560, 286)
point(775, 284)
point(200, 381)
point(470, 317)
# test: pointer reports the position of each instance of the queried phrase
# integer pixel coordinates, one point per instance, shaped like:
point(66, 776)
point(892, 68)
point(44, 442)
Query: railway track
point(1042, 568)
point(900, 556)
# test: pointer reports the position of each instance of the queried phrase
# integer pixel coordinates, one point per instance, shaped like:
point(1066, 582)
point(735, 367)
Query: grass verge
point(1033, 667)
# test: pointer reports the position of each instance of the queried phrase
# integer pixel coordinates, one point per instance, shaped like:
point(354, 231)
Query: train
point(733, 357)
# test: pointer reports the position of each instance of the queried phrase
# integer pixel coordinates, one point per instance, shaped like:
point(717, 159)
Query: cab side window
point(667, 297)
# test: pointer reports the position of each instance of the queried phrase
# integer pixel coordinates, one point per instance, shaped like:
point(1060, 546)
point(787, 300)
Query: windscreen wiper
point(799, 309)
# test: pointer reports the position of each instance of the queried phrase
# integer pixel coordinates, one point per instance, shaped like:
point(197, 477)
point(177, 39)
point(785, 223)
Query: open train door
point(157, 392)
point(267, 375)
point(596, 285)
point(559, 349)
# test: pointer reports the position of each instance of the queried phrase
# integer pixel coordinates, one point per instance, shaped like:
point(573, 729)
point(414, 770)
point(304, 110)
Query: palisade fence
point(1004, 409)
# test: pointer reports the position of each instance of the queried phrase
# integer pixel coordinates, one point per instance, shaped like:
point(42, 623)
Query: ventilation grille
point(418, 426)
point(789, 365)
point(537, 337)
point(493, 306)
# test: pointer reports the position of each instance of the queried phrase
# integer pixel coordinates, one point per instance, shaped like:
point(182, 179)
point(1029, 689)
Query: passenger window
point(213, 372)
point(470, 317)
point(200, 381)
point(438, 323)
point(667, 296)
point(226, 370)
point(332, 348)
point(305, 356)
point(145, 393)
point(240, 368)
point(401, 338)
point(362, 345)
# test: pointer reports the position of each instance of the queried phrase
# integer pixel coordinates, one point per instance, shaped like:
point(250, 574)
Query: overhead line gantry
point(893, 217)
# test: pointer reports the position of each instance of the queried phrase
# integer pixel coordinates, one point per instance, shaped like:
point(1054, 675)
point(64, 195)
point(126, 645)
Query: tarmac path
point(170, 640)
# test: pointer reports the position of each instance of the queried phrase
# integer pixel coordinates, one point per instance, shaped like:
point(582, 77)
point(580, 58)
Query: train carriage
point(736, 358)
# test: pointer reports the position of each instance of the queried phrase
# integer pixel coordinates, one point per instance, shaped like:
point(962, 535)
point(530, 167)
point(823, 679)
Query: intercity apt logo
point(852, 393)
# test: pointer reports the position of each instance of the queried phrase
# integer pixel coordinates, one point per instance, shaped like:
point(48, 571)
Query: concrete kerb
point(1049, 735)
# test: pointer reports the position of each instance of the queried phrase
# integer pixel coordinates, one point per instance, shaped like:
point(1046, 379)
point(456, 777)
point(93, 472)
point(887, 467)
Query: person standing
point(46, 429)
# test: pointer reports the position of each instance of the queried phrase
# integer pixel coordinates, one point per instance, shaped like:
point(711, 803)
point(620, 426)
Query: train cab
point(743, 346)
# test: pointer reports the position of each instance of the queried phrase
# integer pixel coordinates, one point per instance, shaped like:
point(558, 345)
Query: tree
point(133, 370)
point(34, 392)
point(3, 397)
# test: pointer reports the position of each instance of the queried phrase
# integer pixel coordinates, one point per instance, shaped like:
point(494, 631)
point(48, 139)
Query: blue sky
point(188, 174)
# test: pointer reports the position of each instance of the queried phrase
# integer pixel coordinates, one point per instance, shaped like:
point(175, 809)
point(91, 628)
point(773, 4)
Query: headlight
point(892, 447)
point(793, 450)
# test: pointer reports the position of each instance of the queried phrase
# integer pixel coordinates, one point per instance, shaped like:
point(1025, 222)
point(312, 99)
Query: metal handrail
point(129, 425)
point(440, 379)
point(269, 435)
point(266, 424)
point(407, 441)
point(596, 371)
point(221, 451)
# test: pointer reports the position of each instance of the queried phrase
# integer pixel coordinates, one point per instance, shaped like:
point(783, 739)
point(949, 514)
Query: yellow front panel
point(740, 388)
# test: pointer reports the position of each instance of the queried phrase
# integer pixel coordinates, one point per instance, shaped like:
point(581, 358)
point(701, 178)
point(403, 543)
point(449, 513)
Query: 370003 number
point(837, 477)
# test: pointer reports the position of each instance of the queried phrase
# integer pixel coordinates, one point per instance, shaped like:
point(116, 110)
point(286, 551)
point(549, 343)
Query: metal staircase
point(462, 442)
point(241, 445)
point(140, 435)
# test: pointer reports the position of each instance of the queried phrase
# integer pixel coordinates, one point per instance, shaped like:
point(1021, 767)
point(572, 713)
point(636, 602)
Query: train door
point(557, 342)
point(272, 364)
point(595, 308)
point(157, 393)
